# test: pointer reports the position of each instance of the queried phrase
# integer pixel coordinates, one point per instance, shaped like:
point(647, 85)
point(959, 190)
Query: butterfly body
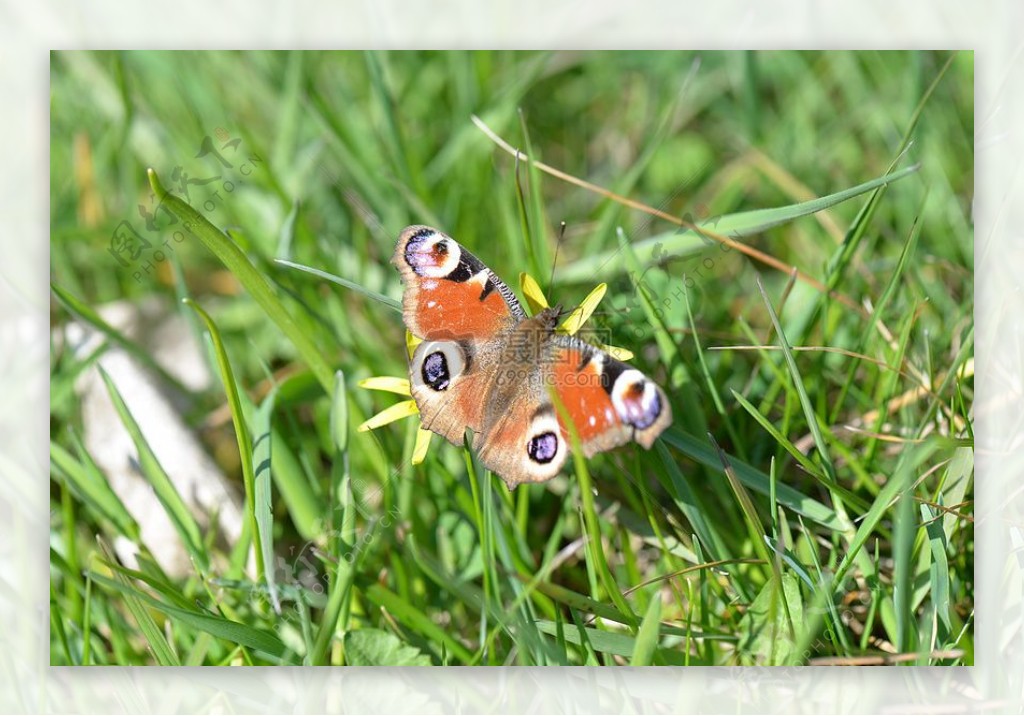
point(487, 366)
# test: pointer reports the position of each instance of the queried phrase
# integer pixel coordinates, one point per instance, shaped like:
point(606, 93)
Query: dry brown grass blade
point(757, 255)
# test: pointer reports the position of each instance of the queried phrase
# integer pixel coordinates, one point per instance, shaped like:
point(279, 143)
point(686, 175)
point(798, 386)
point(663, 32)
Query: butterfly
point(487, 366)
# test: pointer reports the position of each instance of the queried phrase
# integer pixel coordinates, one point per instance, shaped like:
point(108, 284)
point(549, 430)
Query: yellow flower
point(575, 320)
point(407, 408)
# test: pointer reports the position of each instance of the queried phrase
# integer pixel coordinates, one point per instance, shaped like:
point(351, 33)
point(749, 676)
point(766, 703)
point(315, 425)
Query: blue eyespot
point(543, 448)
point(435, 371)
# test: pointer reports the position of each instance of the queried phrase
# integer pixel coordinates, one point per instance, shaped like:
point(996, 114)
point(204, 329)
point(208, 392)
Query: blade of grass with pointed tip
point(342, 539)
point(879, 309)
point(287, 235)
point(254, 282)
point(345, 533)
point(305, 506)
point(809, 465)
point(798, 384)
point(379, 297)
point(689, 503)
point(753, 522)
point(581, 602)
point(340, 587)
point(939, 569)
point(162, 651)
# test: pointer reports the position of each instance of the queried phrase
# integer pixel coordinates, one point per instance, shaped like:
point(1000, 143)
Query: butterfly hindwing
point(609, 402)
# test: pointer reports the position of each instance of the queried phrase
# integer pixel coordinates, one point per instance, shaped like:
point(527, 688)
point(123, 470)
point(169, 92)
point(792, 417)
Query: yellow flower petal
point(419, 451)
point(616, 352)
point(534, 296)
point(387, 383)
point(582, 313)
point(411, 342)
point(398, 411)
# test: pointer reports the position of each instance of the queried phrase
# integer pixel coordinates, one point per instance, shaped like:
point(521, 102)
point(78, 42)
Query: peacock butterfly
point(487, 366)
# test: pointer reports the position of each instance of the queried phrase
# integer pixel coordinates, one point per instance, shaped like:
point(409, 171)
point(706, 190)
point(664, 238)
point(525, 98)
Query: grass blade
point(262, 460)
point(164, 489)
point(226, 629)
point(241, 432)
point(647, 638)
point(237, 263)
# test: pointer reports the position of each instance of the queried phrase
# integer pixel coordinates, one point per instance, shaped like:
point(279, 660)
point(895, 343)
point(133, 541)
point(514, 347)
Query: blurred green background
point(843, 527)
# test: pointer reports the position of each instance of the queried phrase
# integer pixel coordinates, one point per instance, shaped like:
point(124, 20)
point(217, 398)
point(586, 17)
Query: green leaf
point(595, 544)
point(767, 638)
point(162, 650)
point(415, 619)
point(339, 413)
point(900, 478)
point(374, 647)
point(955, 485)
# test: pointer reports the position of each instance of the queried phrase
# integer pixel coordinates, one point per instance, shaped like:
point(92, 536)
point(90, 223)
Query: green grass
point(812, 499)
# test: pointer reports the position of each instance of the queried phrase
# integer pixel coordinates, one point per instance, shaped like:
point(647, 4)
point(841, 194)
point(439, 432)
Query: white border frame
point(28, 32)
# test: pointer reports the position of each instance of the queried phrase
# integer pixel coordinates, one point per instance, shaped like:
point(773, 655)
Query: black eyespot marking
point(543, 448)
point(435, 371)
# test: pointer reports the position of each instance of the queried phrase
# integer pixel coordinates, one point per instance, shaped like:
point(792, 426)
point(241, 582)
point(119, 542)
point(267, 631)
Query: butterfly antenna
point(558, 245)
